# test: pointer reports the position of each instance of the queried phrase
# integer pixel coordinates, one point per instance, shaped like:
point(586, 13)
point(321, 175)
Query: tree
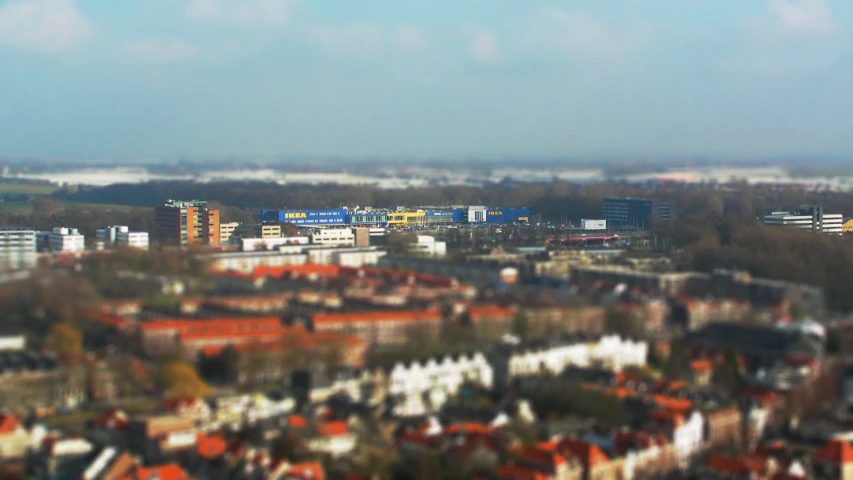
point(726, 375)
point(520, 326)
point(676, 365)
point(65, 340)
point(45, 206)
point(624, 323)
point(180, 379)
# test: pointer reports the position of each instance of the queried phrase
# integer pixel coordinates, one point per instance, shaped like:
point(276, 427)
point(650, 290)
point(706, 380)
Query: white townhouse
point(554, 355)
point(424, 386)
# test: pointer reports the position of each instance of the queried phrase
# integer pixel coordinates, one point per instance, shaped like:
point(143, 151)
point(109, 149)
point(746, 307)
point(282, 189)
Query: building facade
point(808, 217)
point(63, 239)
point(17, 248)
point(637, 213)
point(226, 231)
point(133, 240)
point(186, 223)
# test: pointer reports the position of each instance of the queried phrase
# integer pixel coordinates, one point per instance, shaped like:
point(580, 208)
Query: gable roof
point(838, 452)
point(8, 423)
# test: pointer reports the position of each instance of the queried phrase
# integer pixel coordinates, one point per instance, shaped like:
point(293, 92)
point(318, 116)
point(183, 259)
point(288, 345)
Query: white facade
point(477, 214)
point(246, 262)
point(357, 259)
point(334, 237)
point(66, 240)
point(253, 244)
point(812, 218)
point(609, 351)
point(13, 342)
point(593, 224)
point(423, 387)
point(133, 239)
point(109, 234)
point(226, 230)
point(427, 245)
point(17, 248)
point(688, 438)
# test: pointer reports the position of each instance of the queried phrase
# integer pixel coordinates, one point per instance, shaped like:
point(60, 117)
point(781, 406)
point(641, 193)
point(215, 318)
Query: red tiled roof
point(587, 452)
point(703, 366)
point(517, 472)
point(332, 429)
point(838, 452)
point(8, 423)
point(378, 316)
point(164, 472)
point(210, 446)
point(468, 428)
point(297, 421)
point(306, 471)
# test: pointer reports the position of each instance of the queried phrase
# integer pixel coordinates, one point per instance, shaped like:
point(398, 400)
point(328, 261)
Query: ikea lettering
point(496, 212)
point(295, 215)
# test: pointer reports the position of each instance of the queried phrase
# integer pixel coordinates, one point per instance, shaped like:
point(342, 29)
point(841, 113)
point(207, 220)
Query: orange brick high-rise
point(186, 223)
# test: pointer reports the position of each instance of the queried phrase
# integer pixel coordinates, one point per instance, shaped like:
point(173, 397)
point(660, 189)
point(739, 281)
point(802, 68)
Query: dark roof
point(754, 340)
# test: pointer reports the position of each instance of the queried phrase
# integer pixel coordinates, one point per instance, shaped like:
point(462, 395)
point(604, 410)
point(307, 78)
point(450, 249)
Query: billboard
point(336, 216)
point(593, 224)
point(507, 215)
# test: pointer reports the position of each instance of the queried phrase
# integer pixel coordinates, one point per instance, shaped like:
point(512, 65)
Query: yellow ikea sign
point(295, 215)
point(497, 212)
point(523, 219)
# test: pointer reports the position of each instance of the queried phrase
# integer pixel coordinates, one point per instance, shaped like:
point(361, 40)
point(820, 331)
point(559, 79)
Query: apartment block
point(17, 248)
point(186, 223)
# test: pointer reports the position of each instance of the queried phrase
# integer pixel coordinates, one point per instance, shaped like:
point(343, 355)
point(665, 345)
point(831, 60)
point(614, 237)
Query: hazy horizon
point(477, 81)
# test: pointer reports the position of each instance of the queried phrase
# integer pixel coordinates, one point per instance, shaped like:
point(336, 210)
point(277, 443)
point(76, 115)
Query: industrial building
point(637, 213)
point(17, 248)
point(400, 216)
point(807, 217)
point(186, 223)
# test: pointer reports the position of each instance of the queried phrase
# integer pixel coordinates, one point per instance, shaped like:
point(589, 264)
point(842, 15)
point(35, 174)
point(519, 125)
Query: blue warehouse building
point(507, 215)
point(307, 218)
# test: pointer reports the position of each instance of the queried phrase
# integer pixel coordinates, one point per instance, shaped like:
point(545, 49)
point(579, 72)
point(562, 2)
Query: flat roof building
point(186, 223)
point(637, 213)
point(808, 217)
point(17, 248)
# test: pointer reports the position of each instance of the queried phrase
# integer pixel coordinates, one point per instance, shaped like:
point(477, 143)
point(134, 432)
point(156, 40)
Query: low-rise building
point(807, 217)
point(380, 327)
point(62, 239)
point(133, 239)
point(334, 237)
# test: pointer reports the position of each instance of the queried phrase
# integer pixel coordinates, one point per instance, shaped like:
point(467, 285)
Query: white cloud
point(241, 12)
point(366, 41)
point(161, 51)
point(350, 40)
point(811, 17)
point(484, 47)
point(43, 25)
point(410, 39)
point(580, 35)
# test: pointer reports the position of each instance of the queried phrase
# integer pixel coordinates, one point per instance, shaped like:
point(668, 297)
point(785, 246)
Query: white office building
point(17, 248)
point(342, 237)
point(108, 235)
point(63, 239)
point(133, 239)
point(427, 245)
point(807, 218)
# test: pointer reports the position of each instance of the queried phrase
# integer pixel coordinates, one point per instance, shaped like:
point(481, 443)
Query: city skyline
point(91, 78)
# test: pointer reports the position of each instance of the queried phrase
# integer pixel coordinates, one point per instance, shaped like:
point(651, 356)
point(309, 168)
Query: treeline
point(48, 213)
point(554, 201)
point(771, 252)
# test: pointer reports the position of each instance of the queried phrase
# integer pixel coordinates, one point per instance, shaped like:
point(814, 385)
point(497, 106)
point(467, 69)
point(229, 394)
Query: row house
point(263, 304)
point(434, 380)
point(159, 336)
point(381, 327)
point(555, 354)
point(774, 461)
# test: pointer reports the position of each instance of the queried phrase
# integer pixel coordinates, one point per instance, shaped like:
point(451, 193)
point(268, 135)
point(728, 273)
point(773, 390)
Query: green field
point(11, 188)
point(26, 208)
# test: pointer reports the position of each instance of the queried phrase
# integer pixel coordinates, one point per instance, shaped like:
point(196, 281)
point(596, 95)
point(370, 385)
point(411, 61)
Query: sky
point(416, 79)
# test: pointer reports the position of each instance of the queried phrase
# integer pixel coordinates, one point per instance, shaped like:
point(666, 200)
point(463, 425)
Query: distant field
point(11, 188)
point(26, 208)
